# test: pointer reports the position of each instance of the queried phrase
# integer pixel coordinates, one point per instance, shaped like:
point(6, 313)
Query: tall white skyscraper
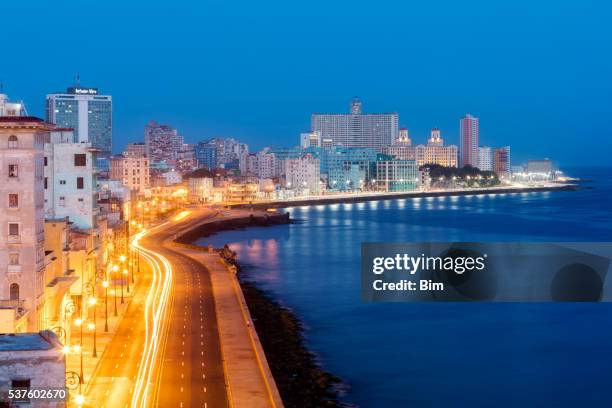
point(468, 145)
point(356, 129)
point(87, 112)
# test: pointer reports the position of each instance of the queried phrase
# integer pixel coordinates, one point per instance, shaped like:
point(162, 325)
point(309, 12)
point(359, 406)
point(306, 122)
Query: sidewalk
point(247, 372)
point(90, 363)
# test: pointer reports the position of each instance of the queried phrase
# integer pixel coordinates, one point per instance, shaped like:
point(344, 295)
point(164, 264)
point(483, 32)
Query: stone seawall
point(212, 227)
point(357, 198)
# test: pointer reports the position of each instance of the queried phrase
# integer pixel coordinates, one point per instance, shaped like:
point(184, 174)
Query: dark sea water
point(441, 354)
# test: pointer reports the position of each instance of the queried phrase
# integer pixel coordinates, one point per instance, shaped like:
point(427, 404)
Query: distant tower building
point(403, 139)
point(206, 155)
point(468, 145)
point(485, 158)
point(88, 113)
point(435, 139)
point(501, 161)
point(357, 129)
point(163, 144)
point(356, 106)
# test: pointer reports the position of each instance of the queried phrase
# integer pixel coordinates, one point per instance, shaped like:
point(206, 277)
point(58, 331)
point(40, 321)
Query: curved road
point(191, 372)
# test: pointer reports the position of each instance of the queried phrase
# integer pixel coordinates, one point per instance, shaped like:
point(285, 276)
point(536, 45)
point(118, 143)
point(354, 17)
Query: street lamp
point(79, 348)
point(122, 259)
point(105, 286)
point(115, 269)
point(92, 326)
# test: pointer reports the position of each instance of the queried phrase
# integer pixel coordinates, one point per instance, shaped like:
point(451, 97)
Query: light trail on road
point(157, 312)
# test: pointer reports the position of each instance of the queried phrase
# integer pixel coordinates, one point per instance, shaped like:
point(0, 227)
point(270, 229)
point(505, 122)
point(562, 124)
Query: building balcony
point(14, 239)
point(18, 305)
point(13, 268)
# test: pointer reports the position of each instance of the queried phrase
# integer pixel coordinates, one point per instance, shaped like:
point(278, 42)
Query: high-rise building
point(468, 145)
point(357, 129)
point(206, 155)
point(303, 174)
point(70, 180)
point(22, 222)
point(86, 111)
point(163, 144)
point(501, 161)
point(268, 166)
point(133, 172)
point(485, 158)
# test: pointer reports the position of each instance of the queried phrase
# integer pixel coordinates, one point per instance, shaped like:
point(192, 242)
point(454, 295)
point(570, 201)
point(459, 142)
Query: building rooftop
point(5, 119)
point(45, 340)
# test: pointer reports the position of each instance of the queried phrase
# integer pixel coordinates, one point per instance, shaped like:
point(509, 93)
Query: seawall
point(362, 197)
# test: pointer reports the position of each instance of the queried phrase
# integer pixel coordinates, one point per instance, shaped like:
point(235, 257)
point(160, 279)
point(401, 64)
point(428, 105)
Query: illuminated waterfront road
point(189, 367)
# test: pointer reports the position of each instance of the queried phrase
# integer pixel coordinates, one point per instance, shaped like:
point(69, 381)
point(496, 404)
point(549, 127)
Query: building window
point(13, 229)
point(20, 383)
point(62, 182)
point(14, 258)
point(80, 160)
point(13, 170)
point(80, 183)
point(14, 291)
point(13, 142)
point(45, 161)
point(46, 182)
point(62, 201)
point(13, 200)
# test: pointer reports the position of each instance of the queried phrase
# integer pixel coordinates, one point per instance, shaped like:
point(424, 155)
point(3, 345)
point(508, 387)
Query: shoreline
point(300, 378)
point(363, 197)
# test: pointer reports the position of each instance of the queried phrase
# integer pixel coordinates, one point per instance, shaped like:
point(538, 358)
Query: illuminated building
point(86, 111)
point(468, 145)
point(356, 129)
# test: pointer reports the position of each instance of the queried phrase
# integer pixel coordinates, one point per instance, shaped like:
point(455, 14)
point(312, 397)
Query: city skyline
point(540, 84)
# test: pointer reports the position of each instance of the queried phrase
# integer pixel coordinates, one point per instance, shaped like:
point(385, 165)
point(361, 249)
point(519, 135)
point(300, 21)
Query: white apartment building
point(303, 174)
point(268, 166)
point(485, 158)
point(70, 180)
point(22, 222)
point(200, 189)
point(133, 172)
point(357, 129)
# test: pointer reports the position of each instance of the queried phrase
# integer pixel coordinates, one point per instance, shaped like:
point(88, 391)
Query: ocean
point(440, 354)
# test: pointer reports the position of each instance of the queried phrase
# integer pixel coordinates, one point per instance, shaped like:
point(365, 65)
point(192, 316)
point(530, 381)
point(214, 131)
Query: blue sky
point(539, 75)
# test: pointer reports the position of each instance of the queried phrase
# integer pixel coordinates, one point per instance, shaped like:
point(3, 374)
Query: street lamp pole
point(105, 284)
